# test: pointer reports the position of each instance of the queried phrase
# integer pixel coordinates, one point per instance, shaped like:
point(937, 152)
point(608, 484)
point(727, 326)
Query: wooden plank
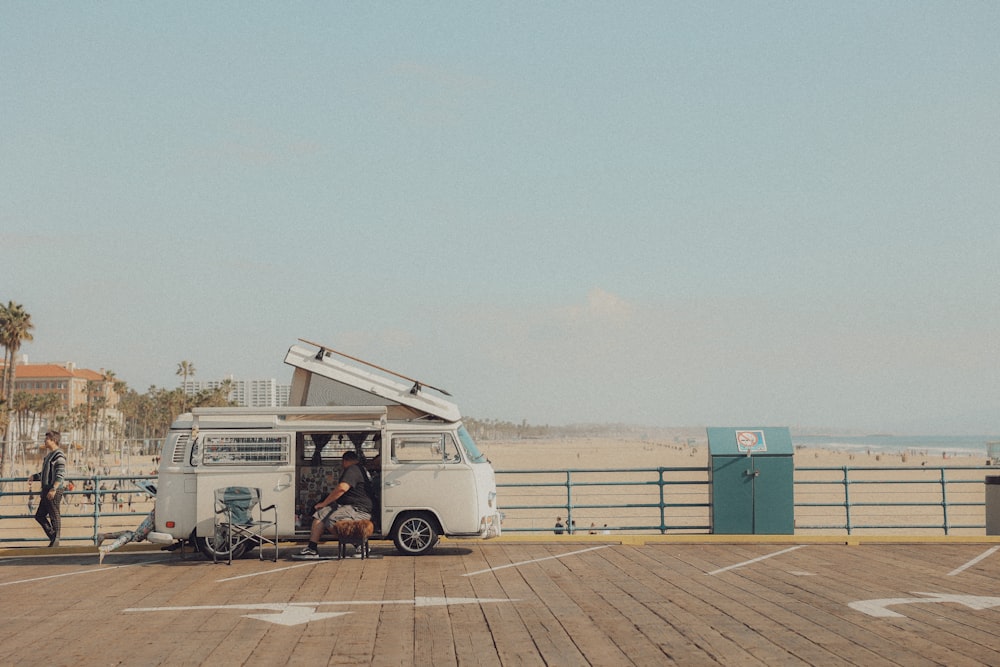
point(585, 631)
point(651, 631)
point(615, 605)
point(742, 633)
point(845, 641)
point(432, 631)
point(551, 642)
point(904, 646)
point(512, 642)
point(394, 635)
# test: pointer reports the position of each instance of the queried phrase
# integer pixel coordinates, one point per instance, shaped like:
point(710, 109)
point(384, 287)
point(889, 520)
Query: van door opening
point(317, 468)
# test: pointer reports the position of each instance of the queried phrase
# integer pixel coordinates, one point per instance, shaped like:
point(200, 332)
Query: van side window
point(424, 448)
point(245, 449)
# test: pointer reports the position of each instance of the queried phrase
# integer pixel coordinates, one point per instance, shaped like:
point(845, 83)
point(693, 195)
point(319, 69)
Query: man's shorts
point(330, 515)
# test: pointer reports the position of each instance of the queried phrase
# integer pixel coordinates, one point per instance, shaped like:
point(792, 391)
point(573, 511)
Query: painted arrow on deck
point(297, 613)
point(880, 608)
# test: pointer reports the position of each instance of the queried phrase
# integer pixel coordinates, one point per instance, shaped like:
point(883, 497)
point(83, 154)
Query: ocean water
point(958, 445)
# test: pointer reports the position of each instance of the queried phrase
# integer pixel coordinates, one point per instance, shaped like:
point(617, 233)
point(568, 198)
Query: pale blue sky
point(673, 214)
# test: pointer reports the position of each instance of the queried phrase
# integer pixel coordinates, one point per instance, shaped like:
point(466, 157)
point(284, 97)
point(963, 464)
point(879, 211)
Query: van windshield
point(471, 450)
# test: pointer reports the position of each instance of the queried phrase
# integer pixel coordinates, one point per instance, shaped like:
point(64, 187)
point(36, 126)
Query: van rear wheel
point(415, 534)
point(219, 545)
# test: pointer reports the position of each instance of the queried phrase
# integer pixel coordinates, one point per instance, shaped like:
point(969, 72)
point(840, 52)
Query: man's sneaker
point(308, 552)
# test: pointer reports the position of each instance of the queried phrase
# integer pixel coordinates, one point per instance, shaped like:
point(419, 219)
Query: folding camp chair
point(240, 524)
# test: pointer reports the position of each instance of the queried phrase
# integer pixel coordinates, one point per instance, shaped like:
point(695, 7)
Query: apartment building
point(73, 385)
point(245, 393)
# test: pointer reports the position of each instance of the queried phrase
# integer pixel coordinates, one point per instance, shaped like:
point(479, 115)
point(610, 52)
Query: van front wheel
point(415, 534)
point(219, 545)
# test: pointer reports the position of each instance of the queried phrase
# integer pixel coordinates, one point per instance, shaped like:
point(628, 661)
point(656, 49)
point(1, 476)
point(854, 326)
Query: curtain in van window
point(320, 440)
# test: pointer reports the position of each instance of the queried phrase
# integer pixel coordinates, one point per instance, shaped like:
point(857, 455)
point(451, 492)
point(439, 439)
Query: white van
point(428, 478)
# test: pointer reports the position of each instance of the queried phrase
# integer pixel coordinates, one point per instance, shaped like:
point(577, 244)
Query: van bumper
point(161, 538)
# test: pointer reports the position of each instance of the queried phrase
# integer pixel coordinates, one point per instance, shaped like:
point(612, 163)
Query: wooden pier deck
point(543, 602)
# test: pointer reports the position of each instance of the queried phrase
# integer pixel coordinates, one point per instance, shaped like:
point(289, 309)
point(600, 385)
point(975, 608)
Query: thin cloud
point(601, 307)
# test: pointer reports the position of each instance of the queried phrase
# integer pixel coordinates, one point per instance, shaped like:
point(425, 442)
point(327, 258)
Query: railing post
point(944, 500)
point(98, 499)
point(847, 499)
point(663, 504)
point(569, 502)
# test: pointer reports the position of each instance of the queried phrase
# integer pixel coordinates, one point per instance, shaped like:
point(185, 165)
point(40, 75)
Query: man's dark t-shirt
point(356, 495)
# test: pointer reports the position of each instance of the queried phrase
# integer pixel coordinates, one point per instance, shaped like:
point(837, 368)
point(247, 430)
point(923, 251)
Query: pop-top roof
point(323, 379)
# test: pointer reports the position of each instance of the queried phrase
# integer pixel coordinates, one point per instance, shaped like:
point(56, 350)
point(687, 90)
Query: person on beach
point(350, 498)
point(52, 477)
point(558, 530)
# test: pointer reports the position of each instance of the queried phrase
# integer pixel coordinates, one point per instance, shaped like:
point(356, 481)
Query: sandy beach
point(877, 502)
point(676, 447)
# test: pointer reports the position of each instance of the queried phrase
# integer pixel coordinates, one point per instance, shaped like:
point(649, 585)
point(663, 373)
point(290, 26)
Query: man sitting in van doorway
point(348, 501)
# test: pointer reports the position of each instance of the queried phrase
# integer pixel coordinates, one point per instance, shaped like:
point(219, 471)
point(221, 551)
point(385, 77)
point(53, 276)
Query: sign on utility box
point(752, 480)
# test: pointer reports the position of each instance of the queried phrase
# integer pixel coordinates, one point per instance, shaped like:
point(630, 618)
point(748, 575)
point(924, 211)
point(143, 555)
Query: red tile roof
point(42, 371)
point(39, 371)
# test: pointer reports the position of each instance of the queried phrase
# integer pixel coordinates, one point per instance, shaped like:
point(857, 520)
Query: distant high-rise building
point(245, 393)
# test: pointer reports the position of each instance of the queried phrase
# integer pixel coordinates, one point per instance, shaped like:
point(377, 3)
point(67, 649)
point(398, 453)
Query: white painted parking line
point(535, 560)
point(959, 570)
point(280, 569)
point(297, 613)
point(880, 608)
point(756, 560)
point(76, 572)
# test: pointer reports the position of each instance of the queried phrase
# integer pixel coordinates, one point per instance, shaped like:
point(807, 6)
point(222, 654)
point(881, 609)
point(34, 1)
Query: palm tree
point(117, 386)
point(50, 406)
point(15, 328)
point(185, 369)
point(226, 391)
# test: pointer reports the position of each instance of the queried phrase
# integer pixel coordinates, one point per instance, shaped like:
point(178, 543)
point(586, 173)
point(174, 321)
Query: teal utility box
point(752, 481)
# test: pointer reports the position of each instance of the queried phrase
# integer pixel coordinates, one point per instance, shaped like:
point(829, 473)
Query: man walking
point(52, 477)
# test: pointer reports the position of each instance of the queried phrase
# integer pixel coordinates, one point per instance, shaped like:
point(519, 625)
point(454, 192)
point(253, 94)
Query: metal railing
point(613, 500)
point(112, 502)
point(828, 500)
point(879, 499)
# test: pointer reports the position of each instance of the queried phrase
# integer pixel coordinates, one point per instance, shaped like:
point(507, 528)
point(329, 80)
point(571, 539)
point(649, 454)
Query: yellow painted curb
point(648, 540)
